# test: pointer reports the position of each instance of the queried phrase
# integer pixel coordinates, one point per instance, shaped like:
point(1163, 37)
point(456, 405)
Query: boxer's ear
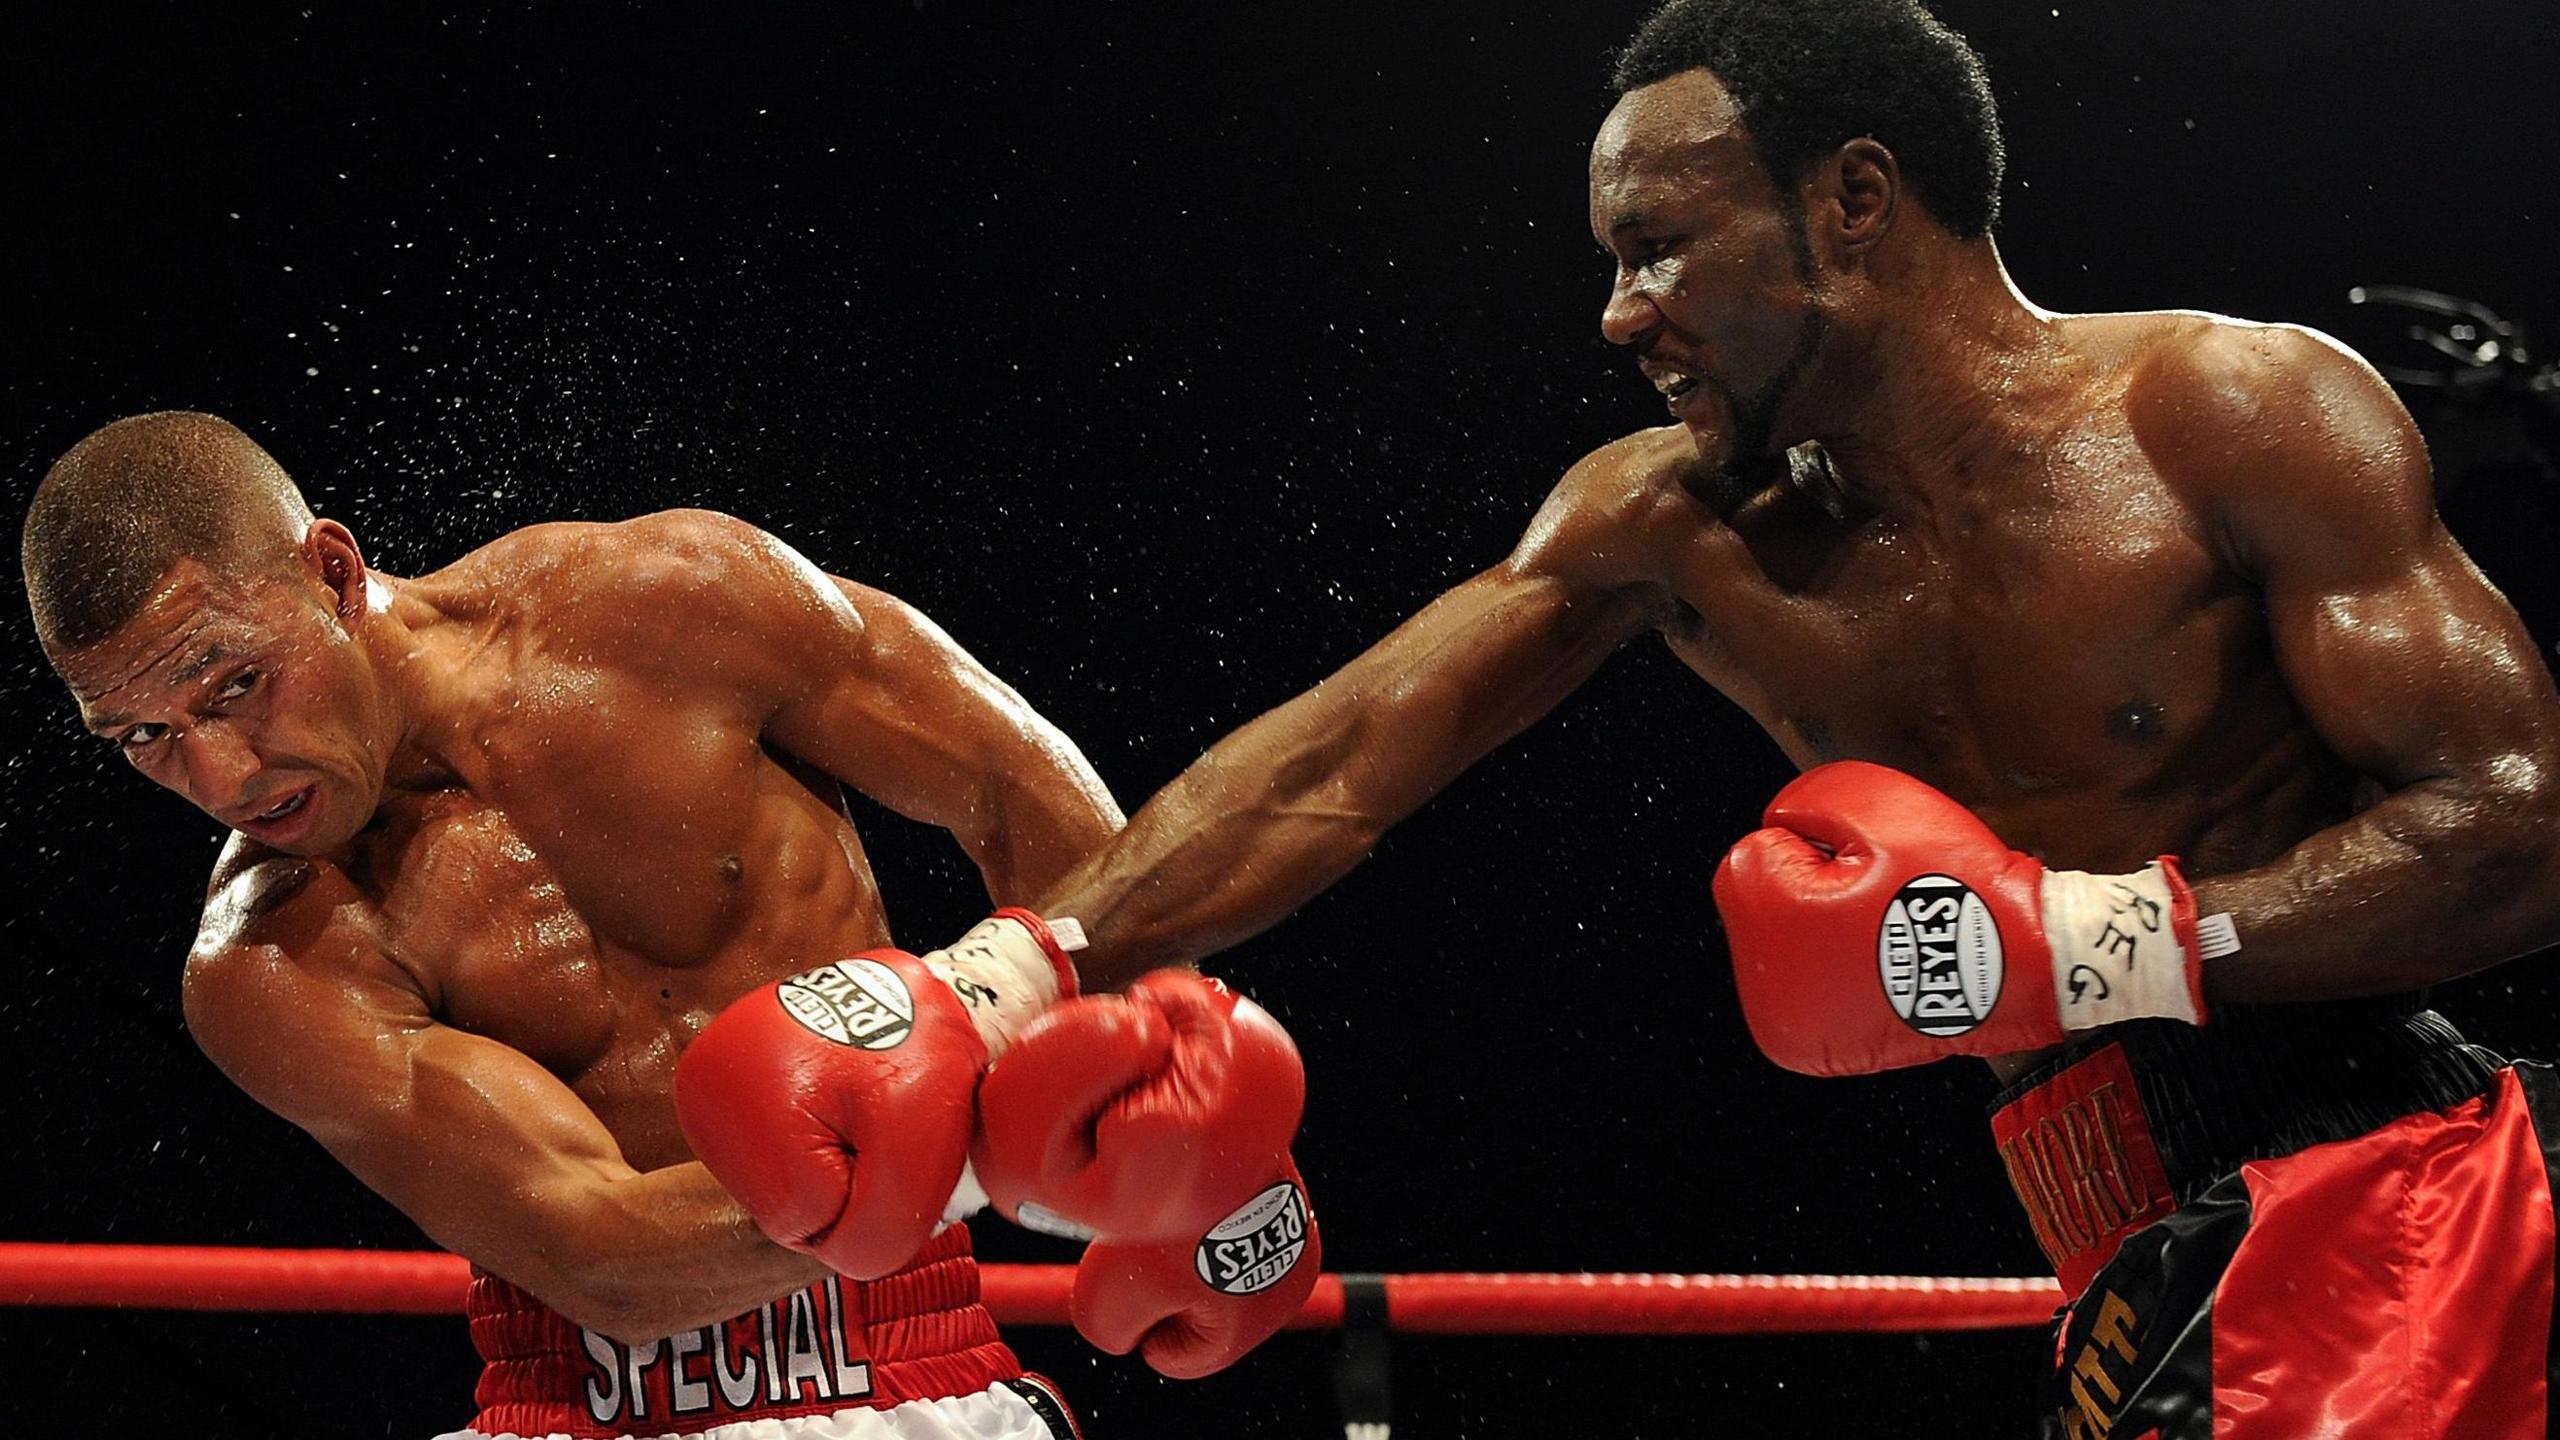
point(329, 549)
point(1853, 197)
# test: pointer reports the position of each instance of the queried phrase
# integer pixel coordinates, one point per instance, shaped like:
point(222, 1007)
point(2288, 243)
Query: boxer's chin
point(1714, 444)
point(1707, 414)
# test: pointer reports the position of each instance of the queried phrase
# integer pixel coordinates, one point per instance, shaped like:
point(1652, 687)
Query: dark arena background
point(1166, 359)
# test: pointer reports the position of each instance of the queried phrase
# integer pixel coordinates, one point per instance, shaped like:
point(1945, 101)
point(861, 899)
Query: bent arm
point(1278, 811)
point(2415, 671)
point(863, 686)
point(912, 720)
point(491, 1155)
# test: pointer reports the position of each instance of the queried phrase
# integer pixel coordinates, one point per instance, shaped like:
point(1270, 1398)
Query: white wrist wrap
point(1001, 972)
point(967, 1199)
point(2116, 954)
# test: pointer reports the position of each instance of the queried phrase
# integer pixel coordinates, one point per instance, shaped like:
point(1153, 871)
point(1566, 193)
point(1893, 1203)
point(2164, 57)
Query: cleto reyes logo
point(1257, 1246)
point(1938, 953)
point(851, 1002)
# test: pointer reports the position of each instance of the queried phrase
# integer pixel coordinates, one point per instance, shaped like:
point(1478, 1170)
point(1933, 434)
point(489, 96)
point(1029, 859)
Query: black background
point(1165, 358)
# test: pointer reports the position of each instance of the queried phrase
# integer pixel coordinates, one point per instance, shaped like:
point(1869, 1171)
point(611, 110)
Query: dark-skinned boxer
point(2083, 592)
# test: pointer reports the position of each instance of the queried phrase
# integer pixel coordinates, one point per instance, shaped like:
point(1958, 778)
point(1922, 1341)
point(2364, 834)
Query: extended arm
point(2415, 671)
point(1279, 810)
point(490, 1154)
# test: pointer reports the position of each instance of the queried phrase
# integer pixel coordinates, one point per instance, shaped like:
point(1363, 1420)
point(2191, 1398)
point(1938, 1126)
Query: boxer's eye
point(140, 737)
point(237, 686)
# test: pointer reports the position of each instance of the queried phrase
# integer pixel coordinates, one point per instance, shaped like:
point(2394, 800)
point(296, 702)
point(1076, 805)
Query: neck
point(1926, 396)
point(418, 686)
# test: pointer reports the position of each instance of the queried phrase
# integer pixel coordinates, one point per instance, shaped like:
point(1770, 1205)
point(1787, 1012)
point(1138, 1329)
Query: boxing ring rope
point(196, 1277)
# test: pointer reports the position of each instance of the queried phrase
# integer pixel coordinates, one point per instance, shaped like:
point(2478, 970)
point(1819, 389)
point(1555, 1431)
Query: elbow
point(2542, 867)
point(603, 1291)
point(632, 1327)
point(617, 1311)
point(585, 1294)
point(598, 1303)
point(2517, 869)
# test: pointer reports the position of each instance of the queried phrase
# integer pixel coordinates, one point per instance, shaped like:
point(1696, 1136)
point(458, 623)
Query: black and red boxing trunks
point(2328, 1221)
point(911, 1354)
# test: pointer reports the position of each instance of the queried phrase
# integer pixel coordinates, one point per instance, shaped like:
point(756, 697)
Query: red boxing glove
point(1877, 923)
point(837, 1107)
point(1141, 1116)
point(1195, 1306)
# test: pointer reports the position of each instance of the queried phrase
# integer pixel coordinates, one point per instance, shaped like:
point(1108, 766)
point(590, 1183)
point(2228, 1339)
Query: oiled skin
point(606, 808)
point(2126, 585)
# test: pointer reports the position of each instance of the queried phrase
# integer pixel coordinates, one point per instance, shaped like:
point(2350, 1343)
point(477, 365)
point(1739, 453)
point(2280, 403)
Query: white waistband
point(995, 1413)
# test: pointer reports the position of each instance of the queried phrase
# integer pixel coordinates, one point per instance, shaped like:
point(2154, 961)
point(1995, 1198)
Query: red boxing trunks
point(2238, 1269)
point(910, 1354)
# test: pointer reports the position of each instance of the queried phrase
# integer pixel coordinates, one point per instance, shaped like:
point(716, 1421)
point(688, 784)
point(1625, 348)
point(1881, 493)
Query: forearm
point(1281, 809)
point(655, 1253)
point(2441, 879)
point(1250, 832)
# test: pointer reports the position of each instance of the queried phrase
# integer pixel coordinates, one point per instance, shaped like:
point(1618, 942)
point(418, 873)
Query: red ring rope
point(195, 1277)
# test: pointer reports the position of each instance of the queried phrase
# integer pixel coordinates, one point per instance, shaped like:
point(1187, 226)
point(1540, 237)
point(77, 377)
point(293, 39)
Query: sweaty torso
point(615, 854)
point(2059, 641)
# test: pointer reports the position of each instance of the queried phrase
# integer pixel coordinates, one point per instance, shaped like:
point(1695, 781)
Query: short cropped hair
point(1813, 75)
point(132, 500)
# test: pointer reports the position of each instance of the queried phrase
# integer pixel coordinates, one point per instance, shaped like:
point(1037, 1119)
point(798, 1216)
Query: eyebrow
point(1623, 222)
point(213, 655)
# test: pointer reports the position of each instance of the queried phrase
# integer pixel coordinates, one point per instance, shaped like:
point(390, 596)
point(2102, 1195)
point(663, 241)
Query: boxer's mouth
point(280, 815)
point(287, 820)
point(1689, 399)
point(1671, 384)
point(286, 806)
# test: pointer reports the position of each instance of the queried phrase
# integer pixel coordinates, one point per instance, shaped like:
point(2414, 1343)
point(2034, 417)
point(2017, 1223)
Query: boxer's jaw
point(1714, 281)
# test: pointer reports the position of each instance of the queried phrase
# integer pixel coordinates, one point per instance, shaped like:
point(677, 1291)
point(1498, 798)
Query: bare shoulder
point(1607, 519)
point(262, 896)
point(276, 930)
point(2278, 432)
point(520, 560)
point(669, 554)
point(2213, 385)
point(690, 546)
point(1634, 472)
point(630, 591)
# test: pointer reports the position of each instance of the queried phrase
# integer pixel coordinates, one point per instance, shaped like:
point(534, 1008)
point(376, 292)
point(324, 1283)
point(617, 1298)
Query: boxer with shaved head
point(543, 914)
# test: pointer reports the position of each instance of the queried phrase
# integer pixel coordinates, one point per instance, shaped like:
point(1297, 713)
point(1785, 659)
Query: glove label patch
point(1938, 953)
point(1256, 1247)
point(1032, 1215)
point(852, 1002)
